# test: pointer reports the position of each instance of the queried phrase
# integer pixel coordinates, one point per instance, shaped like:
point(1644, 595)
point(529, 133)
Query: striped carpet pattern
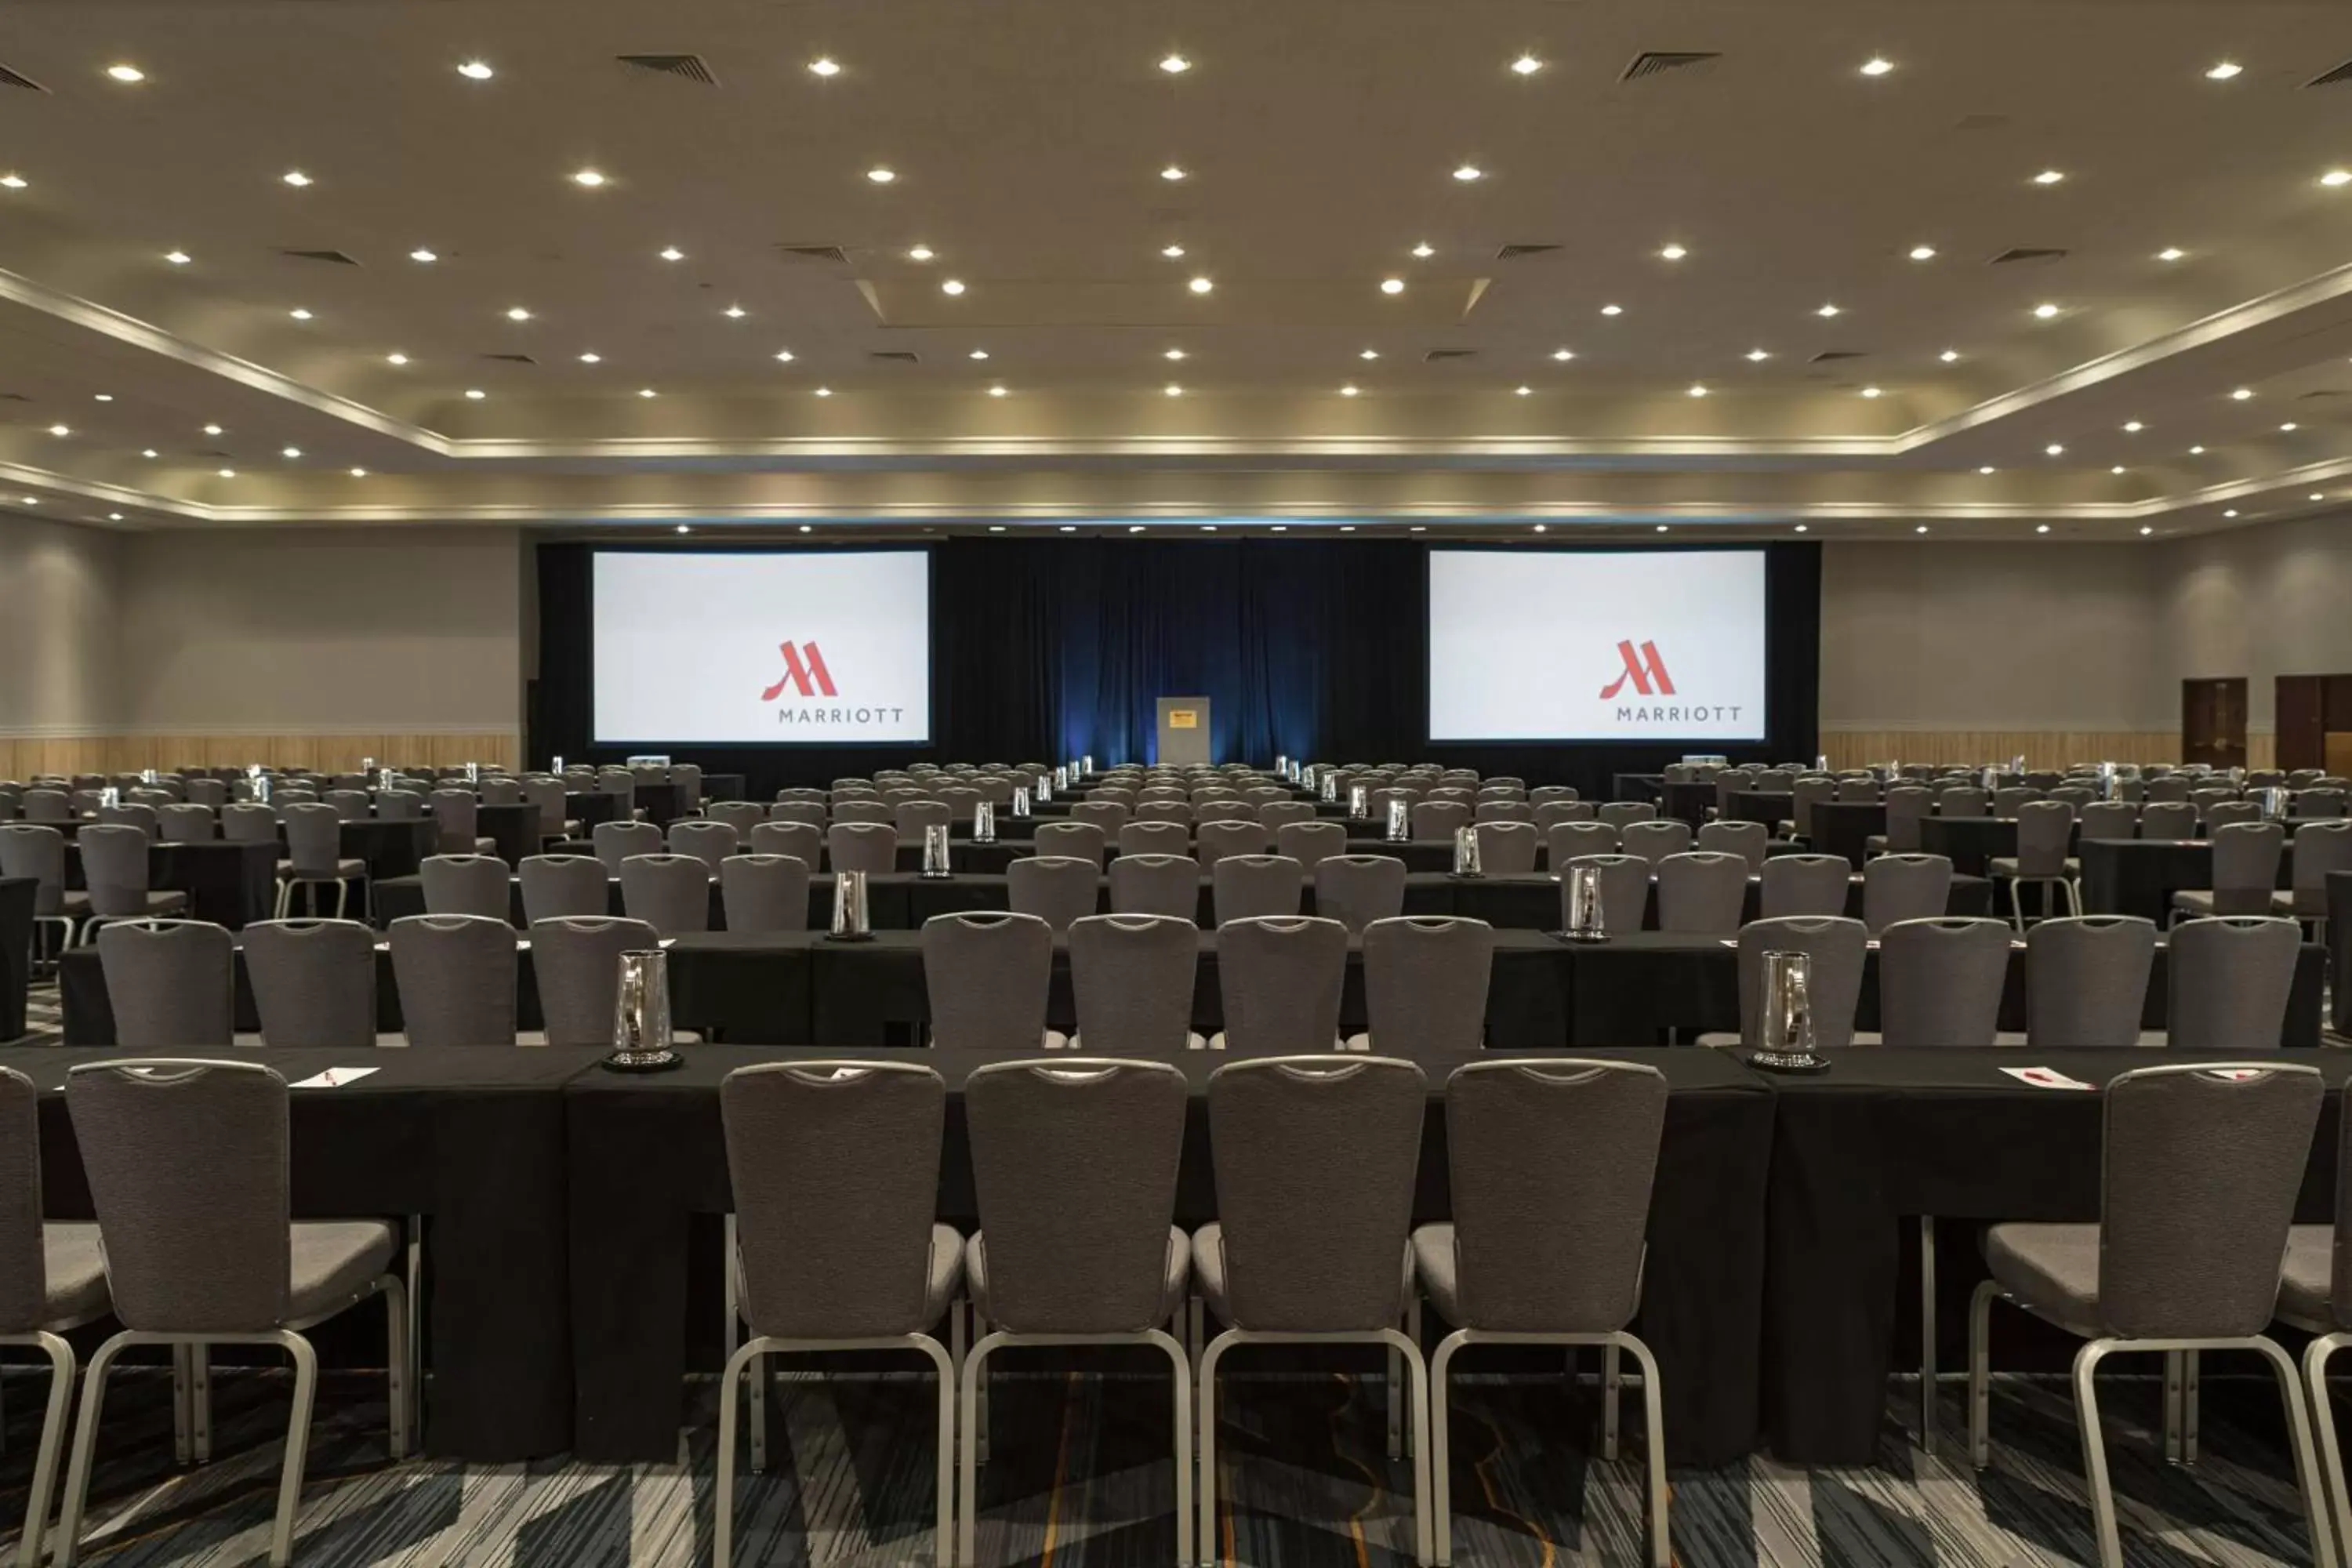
point(1081, 1477)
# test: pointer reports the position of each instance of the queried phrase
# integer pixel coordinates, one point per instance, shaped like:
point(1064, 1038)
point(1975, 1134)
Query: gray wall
point(60, 629)
point(2260, 602)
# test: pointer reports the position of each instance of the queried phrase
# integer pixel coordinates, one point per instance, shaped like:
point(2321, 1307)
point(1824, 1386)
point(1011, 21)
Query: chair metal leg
point(2188, 1359)
point(200, 1401)
point(183, 1452)
point(980, 1331)
point(2094, 1455)
point(723, 1533)
point(943, 1517)
point(399, 1389)
point(1395, 1414)
point(2172, 1407)
point(93, 1400)
point(1979, 1373)
point(411, 1306)
point(2325, 1542)
point(1653, 1413)
point(43, 1494)
point(1927, 1333)
point(1182, 1362)
point(968, 1465)
point(297, 1448)
point(2322, 1418)
point(1441, 1457)
point(1205, 1538)
point(1613, 1378)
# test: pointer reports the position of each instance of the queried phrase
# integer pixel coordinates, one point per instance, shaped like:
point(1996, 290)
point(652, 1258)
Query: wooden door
point(2301, 721)
point(2213, 722)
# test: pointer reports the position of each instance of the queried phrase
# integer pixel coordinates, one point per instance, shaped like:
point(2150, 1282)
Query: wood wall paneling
point(21, 757)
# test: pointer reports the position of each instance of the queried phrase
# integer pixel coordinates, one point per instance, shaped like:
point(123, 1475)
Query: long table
point(646, 1156)
point(228, 884)
point(472, 1140)
point(1887, 1135)
point(2140, 876)
point(17, 895)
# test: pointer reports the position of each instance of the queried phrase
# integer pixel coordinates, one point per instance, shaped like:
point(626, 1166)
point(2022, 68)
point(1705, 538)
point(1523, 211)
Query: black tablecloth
point(1685, 801)
point(1845, 827)
point(648, 1153)
point(391, 848)
point(2339, 945)
point(1627, 989)
point(227, 884)
point(1970, 843)
point(2140, 876)
point(16, 895)
point(722, 786)
point(1636, 786)
point(663, 804)
point(1889, 1135)
point(515, 829)
point(473, 1140)
point(1770, 807)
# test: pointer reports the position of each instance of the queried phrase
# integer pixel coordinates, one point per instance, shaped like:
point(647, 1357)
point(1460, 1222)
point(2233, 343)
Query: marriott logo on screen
point(1645, 670)
point(807, 676)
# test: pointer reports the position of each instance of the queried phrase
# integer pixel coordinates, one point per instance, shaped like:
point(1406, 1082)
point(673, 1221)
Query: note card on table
point(333, 1077)
point(2046, 1078)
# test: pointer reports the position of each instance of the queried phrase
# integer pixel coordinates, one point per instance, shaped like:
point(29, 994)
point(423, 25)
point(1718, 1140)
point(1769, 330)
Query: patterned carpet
point(1080, 1477)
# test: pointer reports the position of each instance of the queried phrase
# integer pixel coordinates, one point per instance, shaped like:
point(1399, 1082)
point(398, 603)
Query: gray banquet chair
point(1044, 1271)
point(809, 813)
point(48, 806)
point(496, 789)
point(1838, 948)
point(1150, 884)
point(1703, 893)
point(803, 841)
point(1552, 1162)
point(1565, 841)
point(1245, 887)
point(115, 862)
point(453, 815)
point(1072, 840)
point(1280, 814)
point(1107, 816)
point(1624, 890)
point(2321, 849)
point(1549, 812)
point(554, 885)
point(1309, 842)
point(1900, 886)
point(1357, 889)
point(1507, 849)
point(171, 983)
point(247, 822)
point(315, 859)
point(456, 976)
point(1751, 841)
point(467, 885)
point(1654, 841)
point(1132, 977)
point(1438, 819)
point(213, 793)
point(576, 962)
point(708, 842)
point(2200, 1170)
point(616, 841)
point(2228, 979)
point(1223, 811)
point(2168, 820)
point(1295, 1258)
point(743, 815)
point(1623, 814)
point(181, 823)
point(2228, 814)
point(1156, 838)
point(1167, 811)
point(1279, 979)
point(200, 1250)
point(1214, 840)
point(1057, 889)
point(2315, 1296)
point(1425, 979)
point(1940, 980)
point(350, 805)
point(2245, 871)
point(1963, 800)
point(986, 976)
point(37, 852)
point(868, 847)
point(831, 1246)
point(52, 1281)
point(1805, 885)
point(1906, 806)
point(2107, 819)
point(669, 892)
point(554, 819)
point(911, 817)
point(1495, 810)
point(764, 893)
point(136, 814)
point(313, 983)
point(861, 810)
point(2086, 980)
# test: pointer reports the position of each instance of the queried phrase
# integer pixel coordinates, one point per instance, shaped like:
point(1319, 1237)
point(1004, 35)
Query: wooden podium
point(1185, 731)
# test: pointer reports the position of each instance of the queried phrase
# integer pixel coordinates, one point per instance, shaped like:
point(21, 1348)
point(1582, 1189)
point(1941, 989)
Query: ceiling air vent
point(11, 79)
point(1439, 356)
point(335, 257)
point(2321, 392)
point(2336, 78)
point(689, 67)
point(2027, 253)
point(897, 356)
point(512, 359)
point(1831, 356)
point(14, 397)
point(1519, 252)
point(813, 253)
point(1657, 62)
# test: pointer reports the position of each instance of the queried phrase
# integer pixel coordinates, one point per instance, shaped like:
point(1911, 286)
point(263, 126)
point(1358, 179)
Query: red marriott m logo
point(805, 673)
point(1645, 669)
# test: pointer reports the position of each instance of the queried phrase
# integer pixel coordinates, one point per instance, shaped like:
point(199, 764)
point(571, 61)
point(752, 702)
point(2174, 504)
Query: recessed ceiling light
point(101, 397)
point(2336, 177)
point(296, 178)
point(684, 528)
point(2045, 309)
point(2055, 450)
point(178, 257)
point(476, 71)
point(2222, 71)
point(475, 393)
point(1469, 172)
point(1527, 65)
point(1368, 354)
point(1698, 391)
point(2196, 451)
point(2232, 512)
point(1757, 356)
point(2048, 177)
point(1175, 65)
point(1950, 355)
point(1208, 528)
point(1662, 527)
point(126, 73)
point(1172, 354)
point(734, 312)
point(1174, 172)
point(30, 501)
point(2170, 253)
point(14, 182)
point(2319, 495)
point(785, 356)
point(1199, 285)
point(823, 392)
point(517, 313)
point(950, 285)
point(2243, 394)
point(1827, 311)
point(1349, 390)
point(422, 254)
point(996, 528)
point(2288, 425)
point(1802, 529)
point(1064, 527)
point(1172, 252)
point(1391, 285)
point(212, 429)
point(298, 313)
point(1877, 64)
point(1613, 310)
point(2133, 426)
point(1921, 529)
point(592, 358)
point(395, 359)
point(1923, 253)
point(359, 473)
point(824, 64)
point(1523, 390)
point(150, 454)
point(672, 253)
point(114, 517)
point(592, 178)
point(1418, 528)
point(1135, 528)
point(646, 391)
point(291, 452)
point(1347, 528)
point(1985, 468)
point(921, 253)
point(2116, 470)
point(996, 392)
point(1424, 250)
point(227, 473)
point(1172, 389)
point(881, 175)
point(977, 353)
point(1540, 528)
point(1563, 355)
point(1672, 252)
point(60, 430)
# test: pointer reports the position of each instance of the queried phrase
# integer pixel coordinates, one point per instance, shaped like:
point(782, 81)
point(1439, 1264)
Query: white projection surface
point(815, 646)
point(1528, 645)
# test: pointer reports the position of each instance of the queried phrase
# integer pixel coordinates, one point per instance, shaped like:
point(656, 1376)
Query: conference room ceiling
point(1814, 278)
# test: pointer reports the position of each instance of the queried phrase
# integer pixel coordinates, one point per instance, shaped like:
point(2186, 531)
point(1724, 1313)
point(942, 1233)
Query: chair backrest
point(743, 815)
point(1280, 981)
point(708, 841)
point(2171, 820)
point(133, 814)
point(467, 884)
point(547, 795)
point(1357, 889)
point(1624, 890)
point(313, 983)
point(802, 813)
point(987, 976)
point(803, 841)
point(1623, 813)
point(1838, 948)
point(1940, 981)
point(2320, 849)
point(554, 885)
point(1310, 842)
point(1565, 841)
point(2011, 799)
point(868, 847)
point(576, 962)
point(1056, 889)
point(1704, 892)
point(1654, 841)
point(616, 841)
point(1508, 848)
point(1076, 840)
point(2086, 980)
point(2228, 980)
point(1904, 887)
point(1549, 812)
point(114, 867)
point(456, 975)
point(453, 812)
point(1490, 810)
point(1214, 840)
point(1805, 885)
point(764, 892)
point(669, 892)
point(23, 1271)
point(1246, 886)
point(1150, 837)
point(1042, 1131)
point(180, 823)
point(871, 811)
point(1304, 1253)
point(1551, 1164)
point(1905, 806)
point(1276, 814)
point(1438, 818)
point(1425, 982)
point(2199, 1175)
point(2245, 866)
point(172, 984)
point(836, 1169)
point(1153, 884)
point(34, 850)
point(1224, 810)
point(1542, 794)
point(1106, 817)
point(48, 806)
point(1132, 977)
point(910, 817)
point(2230, 814)
point(1962, 800)
point(247, 821)
point(187, 1168)
point(2108, 819)
point(1751, 841)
